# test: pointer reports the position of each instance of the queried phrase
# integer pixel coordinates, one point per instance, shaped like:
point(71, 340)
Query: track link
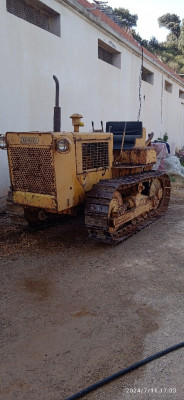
point(98, 200)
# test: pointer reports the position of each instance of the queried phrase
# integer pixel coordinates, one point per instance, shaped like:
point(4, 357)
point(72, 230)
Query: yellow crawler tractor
point(109, 173)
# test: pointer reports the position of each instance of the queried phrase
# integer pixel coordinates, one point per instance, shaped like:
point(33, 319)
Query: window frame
point(27, 8)
point(147, 76)
point(168, 86)
point(109, 54)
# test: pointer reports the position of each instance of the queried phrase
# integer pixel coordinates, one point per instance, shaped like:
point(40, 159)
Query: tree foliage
point(173, 48)
point(171, 52)
point(127, 20)
point(171, 22)
point(172, 41)
point(181, 38)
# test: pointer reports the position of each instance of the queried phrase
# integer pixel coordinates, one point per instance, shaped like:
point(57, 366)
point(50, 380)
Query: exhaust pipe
point(57, 109)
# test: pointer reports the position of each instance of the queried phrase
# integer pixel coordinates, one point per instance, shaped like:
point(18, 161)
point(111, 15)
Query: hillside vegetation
point(171, 52)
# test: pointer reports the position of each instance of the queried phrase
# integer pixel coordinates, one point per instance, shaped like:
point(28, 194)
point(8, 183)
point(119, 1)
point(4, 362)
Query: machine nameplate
point(29, 140)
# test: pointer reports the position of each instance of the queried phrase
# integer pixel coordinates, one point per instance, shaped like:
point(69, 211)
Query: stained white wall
point(100, 91)
point(161, 109)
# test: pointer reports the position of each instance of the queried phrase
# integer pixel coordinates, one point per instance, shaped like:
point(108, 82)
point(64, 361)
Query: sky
point(148, 13)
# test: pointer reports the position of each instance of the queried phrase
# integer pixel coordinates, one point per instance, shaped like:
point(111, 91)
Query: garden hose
point(125, 371)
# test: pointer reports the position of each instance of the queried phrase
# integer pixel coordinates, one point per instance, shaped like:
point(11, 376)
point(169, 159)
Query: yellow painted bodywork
point(33, 139)
point(139, 156)
point(73, 183)
point(70, 181)
point(140, 142)
point(35, 200)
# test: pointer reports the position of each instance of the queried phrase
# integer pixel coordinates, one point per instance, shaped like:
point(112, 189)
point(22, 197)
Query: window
point(181, 94)
point(36, 13)
point(168, 87)
point(147, 76)
point(109, 54)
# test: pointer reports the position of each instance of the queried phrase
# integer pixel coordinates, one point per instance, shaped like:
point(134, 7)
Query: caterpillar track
point(118, 208)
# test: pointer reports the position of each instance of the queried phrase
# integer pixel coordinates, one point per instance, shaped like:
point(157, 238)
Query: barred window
point(36, 13)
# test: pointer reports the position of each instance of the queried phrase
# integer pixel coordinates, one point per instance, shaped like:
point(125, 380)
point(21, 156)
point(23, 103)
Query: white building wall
point(161, 109)
point(98, 90)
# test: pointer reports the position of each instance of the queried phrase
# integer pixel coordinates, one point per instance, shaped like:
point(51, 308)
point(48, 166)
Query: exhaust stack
point(57, 109)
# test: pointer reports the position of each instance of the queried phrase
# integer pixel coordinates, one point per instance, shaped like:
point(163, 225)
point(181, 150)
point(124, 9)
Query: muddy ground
point(73, 311)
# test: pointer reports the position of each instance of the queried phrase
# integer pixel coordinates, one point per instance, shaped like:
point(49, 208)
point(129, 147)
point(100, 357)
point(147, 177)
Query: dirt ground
point(74, 311)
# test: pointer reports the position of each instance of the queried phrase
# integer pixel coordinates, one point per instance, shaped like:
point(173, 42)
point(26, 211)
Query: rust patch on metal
point(95, 155)
point(32, 169)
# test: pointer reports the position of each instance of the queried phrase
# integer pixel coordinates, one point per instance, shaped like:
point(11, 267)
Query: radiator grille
point(32, 170)
point(30, 14)
point(95, 155)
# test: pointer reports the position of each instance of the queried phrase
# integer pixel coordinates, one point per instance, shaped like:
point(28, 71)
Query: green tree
point(172, 50)
point(139, 39)
point(154, 43)
point(174, 65)
point(171, 22)
point(172, 41)
point(181, 38)
point(127, 20)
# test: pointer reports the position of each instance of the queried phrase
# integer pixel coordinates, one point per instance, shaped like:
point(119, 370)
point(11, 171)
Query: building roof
point(128, 38)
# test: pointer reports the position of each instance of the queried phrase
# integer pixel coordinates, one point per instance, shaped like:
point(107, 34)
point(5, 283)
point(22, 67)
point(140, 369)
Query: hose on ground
point(125, 371)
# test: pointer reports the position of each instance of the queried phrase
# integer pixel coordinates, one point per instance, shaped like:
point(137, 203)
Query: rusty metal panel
point(30, 139)
point(95, 155)
point(32, 169)
point(139, 156)
point(93, 152)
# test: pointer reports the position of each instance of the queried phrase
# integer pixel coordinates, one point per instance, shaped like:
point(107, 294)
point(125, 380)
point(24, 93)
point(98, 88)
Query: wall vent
point(109, 54)
point(168, 87)
point(181, 94)
point(147, 76)
point(37, 13)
